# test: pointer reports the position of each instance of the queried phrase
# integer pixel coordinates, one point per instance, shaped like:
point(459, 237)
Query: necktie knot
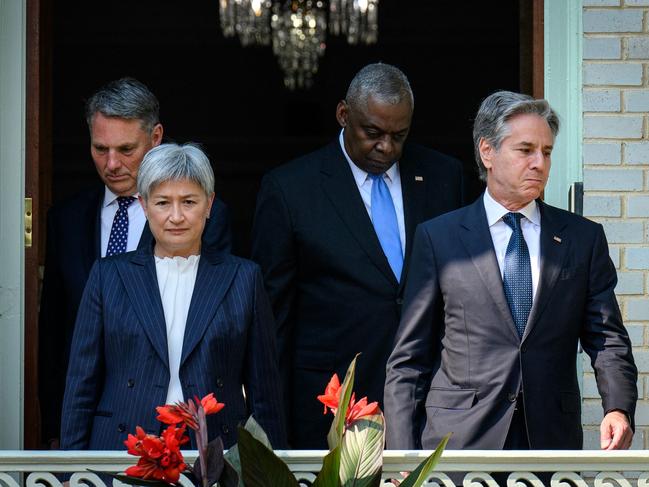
point(374, 177)
point(513, 220)
point(125, 201)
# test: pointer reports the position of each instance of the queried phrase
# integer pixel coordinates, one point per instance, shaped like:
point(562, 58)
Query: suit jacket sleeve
point(410, 364)
point(262, 376)
point(217, 234)
point(273, 248)
point(604, 337)
point(52, 349)
point(86, 370)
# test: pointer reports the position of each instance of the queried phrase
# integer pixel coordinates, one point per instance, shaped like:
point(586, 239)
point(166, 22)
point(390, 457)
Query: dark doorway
point(232, 100)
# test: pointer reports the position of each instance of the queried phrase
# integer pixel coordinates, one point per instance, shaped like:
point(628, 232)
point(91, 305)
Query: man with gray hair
point(500, 294)
point(123, 119)
point(332, 234)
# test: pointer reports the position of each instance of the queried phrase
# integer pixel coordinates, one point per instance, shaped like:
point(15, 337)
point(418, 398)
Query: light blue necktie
point(384, 219)
point(517, 274)
point(119, 231)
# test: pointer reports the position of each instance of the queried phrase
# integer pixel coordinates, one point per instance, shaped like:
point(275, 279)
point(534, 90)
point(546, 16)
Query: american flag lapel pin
point(419, 178)
point(557, 239)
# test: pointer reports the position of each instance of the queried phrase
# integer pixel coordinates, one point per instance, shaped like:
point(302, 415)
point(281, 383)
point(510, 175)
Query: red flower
point(210, 404)
point(360, 409)
point(331, 395)
point(355, 410)
point(187, 412)
point(160, 457)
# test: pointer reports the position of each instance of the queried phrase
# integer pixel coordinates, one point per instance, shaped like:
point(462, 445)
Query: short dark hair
point(494, 113)
point(383, 82)
point(125, 98)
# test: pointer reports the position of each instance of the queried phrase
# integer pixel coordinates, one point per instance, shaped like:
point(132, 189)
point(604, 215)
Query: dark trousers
point(517, 439)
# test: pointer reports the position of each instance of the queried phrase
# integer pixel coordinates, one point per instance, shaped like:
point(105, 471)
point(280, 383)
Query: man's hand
point(615, 431)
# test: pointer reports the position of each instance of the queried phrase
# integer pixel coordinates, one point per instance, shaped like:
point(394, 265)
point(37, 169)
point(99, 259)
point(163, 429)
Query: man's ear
point(156, 135)
point(342, 112)
point(486, 152)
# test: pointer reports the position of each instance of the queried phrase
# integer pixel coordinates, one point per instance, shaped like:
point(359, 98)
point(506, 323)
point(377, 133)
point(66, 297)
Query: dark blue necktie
point(517, 274)
point(384, 219)
point(119, 230)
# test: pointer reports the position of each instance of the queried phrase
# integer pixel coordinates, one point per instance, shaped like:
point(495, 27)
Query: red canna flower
point(360, 409)
point(355, 410)
point(331, 396)
point(179, 413)
point(210, 404)
point(187, 412)
point(160, 457)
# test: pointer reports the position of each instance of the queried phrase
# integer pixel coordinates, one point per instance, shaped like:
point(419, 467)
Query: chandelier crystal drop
point(298, 29)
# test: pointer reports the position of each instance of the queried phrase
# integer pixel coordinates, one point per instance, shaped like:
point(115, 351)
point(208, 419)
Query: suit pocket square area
point(451, 398)
point(571, 272)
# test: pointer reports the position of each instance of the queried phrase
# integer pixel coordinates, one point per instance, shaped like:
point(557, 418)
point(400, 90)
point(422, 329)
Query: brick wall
point(616, 175)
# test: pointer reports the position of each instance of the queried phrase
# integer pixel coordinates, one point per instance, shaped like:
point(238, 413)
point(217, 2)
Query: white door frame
point(12, 189)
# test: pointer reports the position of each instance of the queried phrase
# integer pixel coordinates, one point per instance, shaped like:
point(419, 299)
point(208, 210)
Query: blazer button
point(512, 397)
point(219, 382)
point(225, 429)
point(121, 428)
point(130, 383)
point(399, 301)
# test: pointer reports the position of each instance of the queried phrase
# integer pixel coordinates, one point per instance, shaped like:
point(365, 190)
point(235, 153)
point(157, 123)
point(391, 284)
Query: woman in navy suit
point(169, 322)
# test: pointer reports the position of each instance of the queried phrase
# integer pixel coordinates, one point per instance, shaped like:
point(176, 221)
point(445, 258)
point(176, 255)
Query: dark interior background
point(232, 99)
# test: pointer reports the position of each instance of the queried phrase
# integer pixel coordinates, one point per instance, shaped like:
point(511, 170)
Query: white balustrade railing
point(467, 468)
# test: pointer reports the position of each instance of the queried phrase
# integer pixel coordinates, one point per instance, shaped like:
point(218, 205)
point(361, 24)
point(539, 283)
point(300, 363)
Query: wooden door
point(38, 162)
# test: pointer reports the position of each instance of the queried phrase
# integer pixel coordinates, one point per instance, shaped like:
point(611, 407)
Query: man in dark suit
point(500, 293)
point(332, 234)
point(123, 118)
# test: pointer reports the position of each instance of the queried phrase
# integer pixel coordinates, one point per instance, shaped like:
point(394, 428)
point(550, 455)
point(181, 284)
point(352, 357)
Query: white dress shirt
point(176, 278)
point(392, 179)
point(136, 221)
point(501, 232)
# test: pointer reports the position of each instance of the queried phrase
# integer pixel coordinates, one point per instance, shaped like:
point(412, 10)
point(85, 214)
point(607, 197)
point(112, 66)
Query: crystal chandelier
point(297, 29)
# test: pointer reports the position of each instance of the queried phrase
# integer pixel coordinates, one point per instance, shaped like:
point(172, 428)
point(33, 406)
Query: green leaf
point(419, 475)
point(232, 455)
point(259, 464)
point(361, 456)
point(338, 425)
point(329, 473)
point(229, 477)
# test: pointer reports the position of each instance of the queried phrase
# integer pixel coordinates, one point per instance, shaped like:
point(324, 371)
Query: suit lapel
point(339, 186)
point(139, 278)
point(553, 254)
point(413, 193)
point(477, 240)
point(213, 279)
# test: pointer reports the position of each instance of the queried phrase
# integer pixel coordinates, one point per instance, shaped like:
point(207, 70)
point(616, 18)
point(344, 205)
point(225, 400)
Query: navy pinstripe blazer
point(119, 371)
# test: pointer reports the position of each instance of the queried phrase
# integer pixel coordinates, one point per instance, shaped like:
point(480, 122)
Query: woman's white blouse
point(176, 278)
